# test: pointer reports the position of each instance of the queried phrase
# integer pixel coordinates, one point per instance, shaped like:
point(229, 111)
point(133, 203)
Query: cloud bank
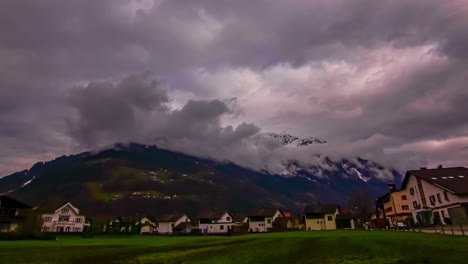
point(381, 80)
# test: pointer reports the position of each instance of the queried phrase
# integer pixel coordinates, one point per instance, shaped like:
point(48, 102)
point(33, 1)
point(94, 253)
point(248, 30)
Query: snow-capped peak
point(287, 139)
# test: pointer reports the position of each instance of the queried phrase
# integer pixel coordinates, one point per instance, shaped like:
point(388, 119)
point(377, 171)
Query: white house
point(262, 220)
point(65, 219)
point(216, 222)
point(167, 223)
point(438, 195)
point(147, 225)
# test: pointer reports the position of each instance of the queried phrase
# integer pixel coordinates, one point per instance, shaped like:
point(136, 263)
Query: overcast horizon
point(382, 80)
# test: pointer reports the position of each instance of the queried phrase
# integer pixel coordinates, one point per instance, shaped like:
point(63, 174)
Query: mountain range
point(129, 179)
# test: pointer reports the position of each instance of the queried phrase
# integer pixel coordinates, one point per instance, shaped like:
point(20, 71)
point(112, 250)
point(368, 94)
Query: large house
point(167, 222)
point(65, 219)
point(262, 220)
point(394, 207)
point(438, 196)
point(13, 214)
point(321, 217)
point(327, 217)
point(147, 225)
point(216, 222)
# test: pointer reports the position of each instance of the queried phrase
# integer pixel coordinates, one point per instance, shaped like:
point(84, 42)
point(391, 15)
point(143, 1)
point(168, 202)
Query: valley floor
point(289, 247)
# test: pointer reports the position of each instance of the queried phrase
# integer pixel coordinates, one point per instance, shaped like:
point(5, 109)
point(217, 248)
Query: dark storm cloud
point(343, 70)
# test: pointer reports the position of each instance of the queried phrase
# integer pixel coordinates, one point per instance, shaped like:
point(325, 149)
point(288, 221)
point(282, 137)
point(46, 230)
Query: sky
point(383, 80)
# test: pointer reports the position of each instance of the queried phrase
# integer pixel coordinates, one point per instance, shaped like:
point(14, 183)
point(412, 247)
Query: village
point(427, 197)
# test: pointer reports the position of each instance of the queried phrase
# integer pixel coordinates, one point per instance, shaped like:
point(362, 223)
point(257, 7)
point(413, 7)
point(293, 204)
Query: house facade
point(321, 217)
point(65, 219)
point(262, 220)
point(167, 223)
point(394, 206)
point(147, 225)
point(216, 222)
point(438, 196)
point(13, 214)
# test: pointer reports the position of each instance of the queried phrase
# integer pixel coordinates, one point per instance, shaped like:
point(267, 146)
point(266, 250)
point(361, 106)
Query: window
point(76, 229)
point(64, 218)
point(318, 222)
point(172, 225)
point(65, 210)
point(411, 191)
point(221, 227)
point(46, 228)
point(438, 198)
point(387, 200)
point(78, 220)
point(389, 209)
point(47, 219)
point(432, 199)
point(415, 205)
point(228, 218)
point(404, 198)
point(330, 218)
point(405, 207)
point(269, 220)
point(446, 196)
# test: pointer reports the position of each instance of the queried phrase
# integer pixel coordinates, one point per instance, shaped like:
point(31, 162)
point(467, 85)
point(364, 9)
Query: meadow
point(288, 247)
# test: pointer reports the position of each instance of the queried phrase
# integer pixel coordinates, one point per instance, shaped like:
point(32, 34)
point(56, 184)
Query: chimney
point(391, 187)
point(439, 166)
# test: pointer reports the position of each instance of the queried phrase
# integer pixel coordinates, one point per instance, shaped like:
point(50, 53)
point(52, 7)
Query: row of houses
point(68, 218)
point(426, 197)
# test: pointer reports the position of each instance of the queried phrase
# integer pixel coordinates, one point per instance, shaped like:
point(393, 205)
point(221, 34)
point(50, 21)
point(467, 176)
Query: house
point(262, 220)
point(438, 196)
point(167, 222)
point(65, 219)
point(13, 214)
point(183, 228)
point(321, 217)
point(282, 224)
point(241, 225)
point(216, 222)
point(147, 225)
point(394, 207)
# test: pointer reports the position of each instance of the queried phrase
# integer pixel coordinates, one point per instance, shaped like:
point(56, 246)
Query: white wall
point(429, 190)
point(257, 226)
point(165, 227)
point(75, 222)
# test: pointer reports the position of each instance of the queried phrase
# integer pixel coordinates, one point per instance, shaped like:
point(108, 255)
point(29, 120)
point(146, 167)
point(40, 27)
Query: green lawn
point(290, 247)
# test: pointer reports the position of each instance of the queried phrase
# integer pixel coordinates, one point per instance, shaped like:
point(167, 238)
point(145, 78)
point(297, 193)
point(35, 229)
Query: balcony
point(8, 212)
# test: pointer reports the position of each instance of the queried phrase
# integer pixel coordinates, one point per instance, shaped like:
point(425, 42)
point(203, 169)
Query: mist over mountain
point(128, 179)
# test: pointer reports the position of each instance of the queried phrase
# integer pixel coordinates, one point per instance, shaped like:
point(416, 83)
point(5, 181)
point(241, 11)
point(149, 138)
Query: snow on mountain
point(27, 182)
point(287, 139)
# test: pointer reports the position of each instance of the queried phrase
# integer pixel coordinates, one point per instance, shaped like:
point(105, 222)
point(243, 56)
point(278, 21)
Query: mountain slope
point(138, 179)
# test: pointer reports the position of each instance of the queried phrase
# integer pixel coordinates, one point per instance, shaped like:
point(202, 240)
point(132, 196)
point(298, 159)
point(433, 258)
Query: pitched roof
point(264, 212)
point(8, 202)
point(323, 208)
point(213, 214)
point(170, 217)
point(71, 206)
point(454, 180)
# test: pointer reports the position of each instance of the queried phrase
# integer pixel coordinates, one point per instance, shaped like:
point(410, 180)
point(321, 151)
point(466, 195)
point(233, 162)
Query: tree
point(361, 203)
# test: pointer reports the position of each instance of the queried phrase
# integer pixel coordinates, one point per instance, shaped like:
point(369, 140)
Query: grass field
point(289, 247)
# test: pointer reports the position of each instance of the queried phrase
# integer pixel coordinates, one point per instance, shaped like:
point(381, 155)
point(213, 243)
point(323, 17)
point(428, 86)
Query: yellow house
point(321, 217)
point(395, 205)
